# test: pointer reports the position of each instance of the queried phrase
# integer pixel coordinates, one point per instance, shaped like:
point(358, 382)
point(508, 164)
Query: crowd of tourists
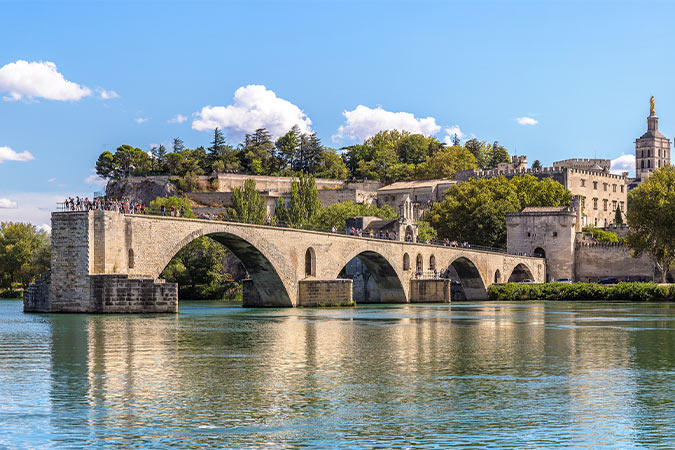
point(118, 206)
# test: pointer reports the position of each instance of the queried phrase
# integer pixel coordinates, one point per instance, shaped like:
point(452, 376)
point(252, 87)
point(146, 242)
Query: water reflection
point(507, 375)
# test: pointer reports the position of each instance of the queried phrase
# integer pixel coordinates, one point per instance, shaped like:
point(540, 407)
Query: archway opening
point(467, 283)
point(498, 276)
point(432, 262)
point(419, 265)
point(520, 273)
point(406, 261)
point(409, 234)
point(310, 262)
point(539, 252)
point(374, 279)
point(130, 260)
point(221, 263)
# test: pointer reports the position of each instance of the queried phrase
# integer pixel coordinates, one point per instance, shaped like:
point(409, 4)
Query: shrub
point(602, 235)
point(581, 291)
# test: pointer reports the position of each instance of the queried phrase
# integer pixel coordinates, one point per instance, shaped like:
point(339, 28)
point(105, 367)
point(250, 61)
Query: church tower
point(652, 149)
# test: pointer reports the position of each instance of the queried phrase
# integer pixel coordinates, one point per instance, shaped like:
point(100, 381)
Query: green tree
point(258, 157)
point(24, 253)
point(475, 211)
point(105, 165)
point(247, 205)
point(479, 151)
point(618, 217)
point(303, 204)
point(178, 145)
point(286, 147)
point(330, 165)
point(498, 155)
point(536, 165)
point(217, 144)
point(651, 217)
point(425, 232)
point(155, 207)
point(445, 163)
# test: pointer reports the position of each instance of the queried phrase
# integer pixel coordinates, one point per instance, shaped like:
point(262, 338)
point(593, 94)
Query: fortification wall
point(596, 261)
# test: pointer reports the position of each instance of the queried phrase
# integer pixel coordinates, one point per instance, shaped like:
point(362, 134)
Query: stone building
point(421, 193)
point(603, 192)
point(556, 234)
point(652, 149)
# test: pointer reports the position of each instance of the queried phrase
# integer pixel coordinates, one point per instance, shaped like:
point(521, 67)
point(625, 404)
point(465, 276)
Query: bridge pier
point(430, 291)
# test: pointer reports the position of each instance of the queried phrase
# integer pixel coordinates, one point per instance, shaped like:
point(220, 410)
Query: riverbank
point(582, 291)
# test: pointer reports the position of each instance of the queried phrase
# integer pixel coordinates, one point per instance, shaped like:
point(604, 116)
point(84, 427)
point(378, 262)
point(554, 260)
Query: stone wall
point(119, 294)
point(430, 291)
point(36, 297)
point(596, 261)
point(315, 292)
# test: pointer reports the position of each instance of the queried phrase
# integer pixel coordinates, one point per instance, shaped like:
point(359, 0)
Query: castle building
point(601, 192)
point(652, 149)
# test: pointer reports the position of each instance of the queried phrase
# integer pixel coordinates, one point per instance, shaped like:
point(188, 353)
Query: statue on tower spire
point(651, 106)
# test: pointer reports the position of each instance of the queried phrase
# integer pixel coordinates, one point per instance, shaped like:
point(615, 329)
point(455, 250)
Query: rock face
point(141, 189)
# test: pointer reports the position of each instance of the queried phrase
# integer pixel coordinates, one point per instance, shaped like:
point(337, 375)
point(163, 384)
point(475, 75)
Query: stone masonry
point(90, 244)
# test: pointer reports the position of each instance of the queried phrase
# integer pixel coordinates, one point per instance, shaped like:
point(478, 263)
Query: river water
point(466, 375)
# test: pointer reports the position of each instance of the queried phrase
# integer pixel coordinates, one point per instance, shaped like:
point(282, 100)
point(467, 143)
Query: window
point(583, 182)
point(596, 221)
point(621, 205)
point(642, 164)
point(613, 205)
point(614, 188)
point(621, 187)
point(595, 203)
point(310, 262)
point(406, 262)
point(604, 187)
point(595, 185)
point(131, 259)
point(555, 234)
point(529, 234)
point(649, 163)
point(604, 204)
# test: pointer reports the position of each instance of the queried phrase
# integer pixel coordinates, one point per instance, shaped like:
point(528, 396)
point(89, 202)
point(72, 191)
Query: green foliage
point(445, 163)
point(330, 165)
point(155, 207)
point(475, 211)
point(425, 232)
point(247, 205)
point(602, 235)
point(199, 270)
point(24, 254)
point(651, 217)
point(487, 156)
point(335, 215)
point(536, 164)
point(581, 291)
point(618, 217)
point(303, 205)
point(126, 161)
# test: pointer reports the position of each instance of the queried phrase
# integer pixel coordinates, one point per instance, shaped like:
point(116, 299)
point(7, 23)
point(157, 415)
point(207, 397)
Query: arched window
point(432, 262)
point(497, 276)
point(420, 263)
point(310, 263)
point(131, 259)
point(406, 261)
point(642, 164)
point(540, 253)
point(649, 163)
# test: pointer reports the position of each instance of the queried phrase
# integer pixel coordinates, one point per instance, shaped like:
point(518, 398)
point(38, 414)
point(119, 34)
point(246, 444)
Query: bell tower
point(652, 149)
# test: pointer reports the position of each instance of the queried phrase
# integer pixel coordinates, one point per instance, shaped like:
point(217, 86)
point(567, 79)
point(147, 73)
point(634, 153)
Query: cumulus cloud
point(107, 95)
point(7, 203)
point(624, 163)
point(140, 120)
point(254, 107)
point(363, 122)
point(526, 120)
point(7, 154)
point(178, 119)
point(23, 79)
point(45, 227)
point(35, 208)
point(450, 133)
point(95, 180)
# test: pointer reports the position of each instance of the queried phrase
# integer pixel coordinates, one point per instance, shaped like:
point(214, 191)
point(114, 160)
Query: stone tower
point(652, 149)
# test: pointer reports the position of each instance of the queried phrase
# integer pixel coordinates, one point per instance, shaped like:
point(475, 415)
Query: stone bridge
point(108, 262)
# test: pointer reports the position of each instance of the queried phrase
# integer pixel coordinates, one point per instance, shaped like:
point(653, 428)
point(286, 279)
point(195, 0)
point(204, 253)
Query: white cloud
point(95, 180)
point(51, 180)
point(624, 163)
point(35, 208)
point(254, 107)
point(178, 119)
point(525, 120)
point(7, 154)
point(23, 79)
point(363, 122)
point(107, 95)
point(140, 120)
point(7, 203)
point(45, 227)
point(450, 133)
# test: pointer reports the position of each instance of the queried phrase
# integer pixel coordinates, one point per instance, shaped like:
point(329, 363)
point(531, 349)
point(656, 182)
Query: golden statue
point(651, 106)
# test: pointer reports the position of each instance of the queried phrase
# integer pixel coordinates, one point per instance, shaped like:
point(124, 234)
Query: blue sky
point(583, 71)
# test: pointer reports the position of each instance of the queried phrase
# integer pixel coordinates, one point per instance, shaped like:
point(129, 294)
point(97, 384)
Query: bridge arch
point(473, 285)
point(386, 278)
point(259, 265)
point(519, 273)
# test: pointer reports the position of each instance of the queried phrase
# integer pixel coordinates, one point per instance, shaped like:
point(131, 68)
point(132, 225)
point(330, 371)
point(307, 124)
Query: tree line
point(25, 253)
point(388, 156)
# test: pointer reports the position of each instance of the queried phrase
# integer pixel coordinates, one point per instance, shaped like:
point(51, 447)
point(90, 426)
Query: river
point(466, 375)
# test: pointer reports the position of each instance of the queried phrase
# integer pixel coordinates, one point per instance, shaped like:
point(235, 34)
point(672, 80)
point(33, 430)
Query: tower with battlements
point(652, 149)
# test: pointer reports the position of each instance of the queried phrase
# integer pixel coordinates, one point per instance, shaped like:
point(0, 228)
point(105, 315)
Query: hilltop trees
point(24, 253)
point(247, 205)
